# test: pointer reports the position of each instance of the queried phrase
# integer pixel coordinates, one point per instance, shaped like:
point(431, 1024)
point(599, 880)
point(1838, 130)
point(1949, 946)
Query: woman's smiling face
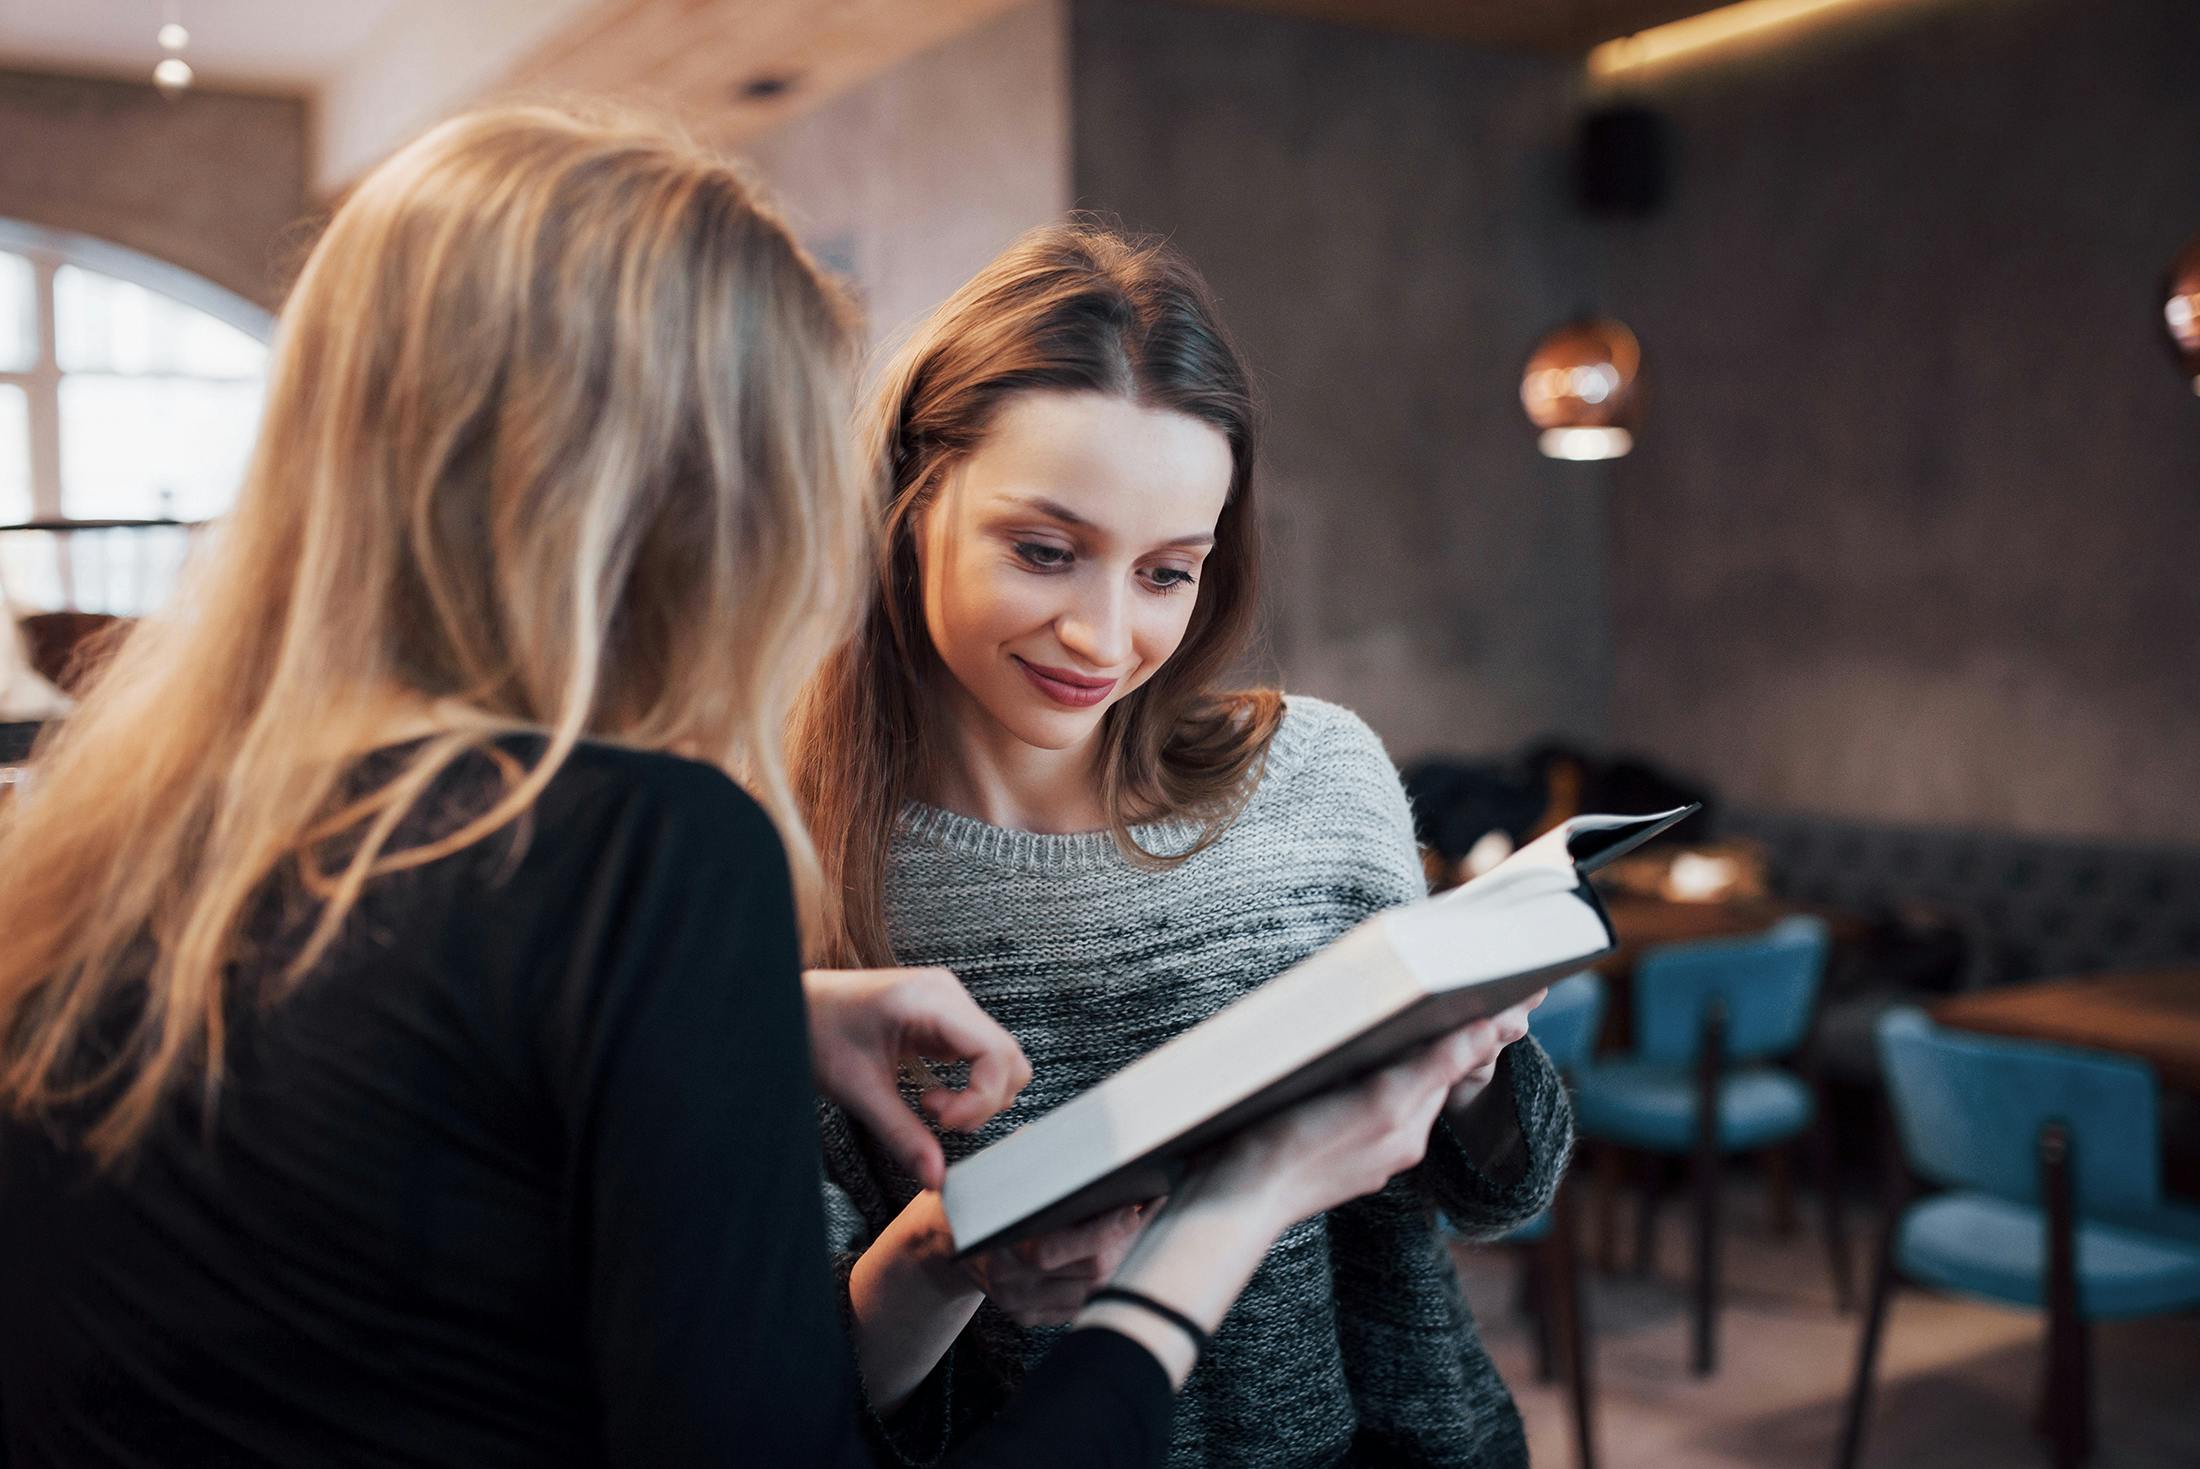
point(1060, 560)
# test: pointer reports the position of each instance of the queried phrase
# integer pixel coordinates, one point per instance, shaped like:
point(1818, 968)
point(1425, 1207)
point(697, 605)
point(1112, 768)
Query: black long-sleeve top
point(524, 1173)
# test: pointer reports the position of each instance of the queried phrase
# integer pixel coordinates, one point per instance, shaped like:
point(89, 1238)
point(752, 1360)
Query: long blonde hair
point(1075, 307)
point(555, 439)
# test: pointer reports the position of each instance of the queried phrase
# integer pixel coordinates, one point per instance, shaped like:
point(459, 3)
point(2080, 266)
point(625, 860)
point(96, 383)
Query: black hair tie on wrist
point(1201, 1341)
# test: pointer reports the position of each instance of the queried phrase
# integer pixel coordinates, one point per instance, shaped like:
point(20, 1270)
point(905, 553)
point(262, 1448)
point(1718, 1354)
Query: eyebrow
point(1055, 510)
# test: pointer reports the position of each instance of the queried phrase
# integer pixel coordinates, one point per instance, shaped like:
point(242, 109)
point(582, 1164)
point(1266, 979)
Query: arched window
point(129, 391)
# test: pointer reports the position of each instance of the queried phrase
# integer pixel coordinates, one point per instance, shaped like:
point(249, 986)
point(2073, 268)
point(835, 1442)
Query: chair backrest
point(1565, 1024)
point(69, 648)
point(1767, 983)
point(1970, 1108)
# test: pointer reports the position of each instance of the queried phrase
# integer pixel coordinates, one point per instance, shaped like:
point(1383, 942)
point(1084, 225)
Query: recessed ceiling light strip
point(173, 74)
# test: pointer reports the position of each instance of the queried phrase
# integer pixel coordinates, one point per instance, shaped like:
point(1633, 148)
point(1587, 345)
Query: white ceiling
point(267, 43)
point(375, 70)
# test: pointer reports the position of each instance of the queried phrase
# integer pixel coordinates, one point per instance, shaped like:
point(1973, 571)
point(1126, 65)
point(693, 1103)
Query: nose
point(1096, 626)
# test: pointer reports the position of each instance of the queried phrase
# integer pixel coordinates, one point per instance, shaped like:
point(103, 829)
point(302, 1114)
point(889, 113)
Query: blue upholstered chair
point(1711, 1019)
point(1565, 1025)
point(2047, 1162)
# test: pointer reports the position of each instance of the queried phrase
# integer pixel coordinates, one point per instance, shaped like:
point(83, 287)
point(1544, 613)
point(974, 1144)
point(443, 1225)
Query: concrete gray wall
point(213, 182)
point(1911, 535)
point(913, 181)
point(1384, 220)
point(1910, 532)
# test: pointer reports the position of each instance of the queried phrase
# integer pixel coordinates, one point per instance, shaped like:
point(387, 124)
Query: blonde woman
point(1027, 769)
point(403, 1054)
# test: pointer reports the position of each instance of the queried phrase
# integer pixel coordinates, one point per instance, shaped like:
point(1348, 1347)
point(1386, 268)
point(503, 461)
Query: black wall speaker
point(1622, 160)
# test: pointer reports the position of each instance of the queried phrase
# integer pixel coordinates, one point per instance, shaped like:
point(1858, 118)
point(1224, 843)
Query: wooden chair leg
point(1829, 1200)
point(2080, 1376)
point(1535, 1270)
point(2064, 1416)
point(1780, 1188)
point(2045, 1423)
point(1867, 1351)
point(1710, 1064)
point(1608, 1165)
point(1649, 1196)
point(1707, 1262)
point(2069, 1396)
point(1571, 1309)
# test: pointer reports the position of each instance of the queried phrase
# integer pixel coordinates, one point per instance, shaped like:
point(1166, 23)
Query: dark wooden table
point(2153, 1014)
point(1642, 922)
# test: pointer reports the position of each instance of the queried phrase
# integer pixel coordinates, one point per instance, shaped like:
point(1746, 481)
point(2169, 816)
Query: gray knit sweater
point(1352, 1344)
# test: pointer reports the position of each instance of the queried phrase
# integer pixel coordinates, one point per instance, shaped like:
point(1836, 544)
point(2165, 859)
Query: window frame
point(50, 249)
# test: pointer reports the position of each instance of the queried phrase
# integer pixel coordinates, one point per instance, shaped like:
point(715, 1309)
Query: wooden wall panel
point(1539, 25)
point(699, 58)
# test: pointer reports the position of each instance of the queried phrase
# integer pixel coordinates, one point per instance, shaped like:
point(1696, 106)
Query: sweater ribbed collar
point(1037, 851)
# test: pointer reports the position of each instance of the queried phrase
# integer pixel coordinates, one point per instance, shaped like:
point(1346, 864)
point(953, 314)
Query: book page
point(1527, 926)
point(1381, 986)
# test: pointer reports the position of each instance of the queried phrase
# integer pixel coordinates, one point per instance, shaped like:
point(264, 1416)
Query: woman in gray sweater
point(1022, 771)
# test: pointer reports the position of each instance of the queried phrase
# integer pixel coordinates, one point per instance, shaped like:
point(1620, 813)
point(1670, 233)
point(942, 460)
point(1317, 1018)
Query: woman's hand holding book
point(1203, 1247)
point(1506, 1026)
point(1194, 1253)
point(1044, 1280)
point(1352, 1141)
point(866, 1024)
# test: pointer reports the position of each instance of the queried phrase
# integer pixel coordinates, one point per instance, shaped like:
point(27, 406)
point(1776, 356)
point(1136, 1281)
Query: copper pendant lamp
point(1581, 388)
point(2181, 309)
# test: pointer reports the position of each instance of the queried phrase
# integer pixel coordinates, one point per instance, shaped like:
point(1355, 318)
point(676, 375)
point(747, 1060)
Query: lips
point(1070, 690)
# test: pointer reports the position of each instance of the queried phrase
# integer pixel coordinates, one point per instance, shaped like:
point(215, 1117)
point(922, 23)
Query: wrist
point(1258, 1179)
point(1469, 1091)
point(908, 1303)
point(1200, 1337)
point(1462, 1103)
point(915, 1257)
point(1486, 1130)
point(1204, 1245)
point(1162, 1341)
point(1246, 1186)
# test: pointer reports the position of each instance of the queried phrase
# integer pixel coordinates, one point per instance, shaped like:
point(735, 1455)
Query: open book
point(1404, 976)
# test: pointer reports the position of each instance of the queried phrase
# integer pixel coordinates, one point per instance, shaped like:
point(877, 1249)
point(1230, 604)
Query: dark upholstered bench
point(15, 742)
point(2025, 907)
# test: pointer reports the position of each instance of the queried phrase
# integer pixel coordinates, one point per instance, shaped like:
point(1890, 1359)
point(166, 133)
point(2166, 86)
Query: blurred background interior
point(1790, 406)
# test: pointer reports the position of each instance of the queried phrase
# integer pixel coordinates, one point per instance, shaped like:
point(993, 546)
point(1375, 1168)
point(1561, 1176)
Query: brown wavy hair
point(556, 439)
point(1075, 307)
